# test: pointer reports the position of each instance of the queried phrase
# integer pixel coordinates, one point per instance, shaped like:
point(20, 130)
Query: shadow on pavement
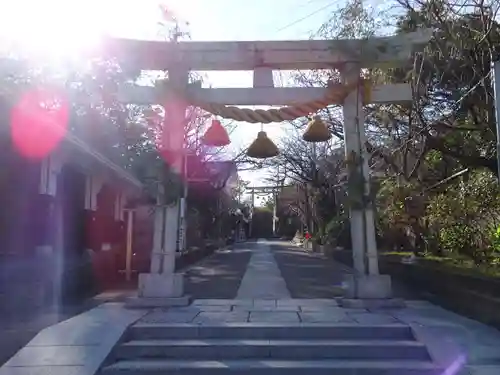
point(307, 275)
point(312, 275)
point(220, 275)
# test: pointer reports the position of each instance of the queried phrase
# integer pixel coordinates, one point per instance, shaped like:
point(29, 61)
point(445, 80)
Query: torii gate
point(162, 286)
point(273, 190)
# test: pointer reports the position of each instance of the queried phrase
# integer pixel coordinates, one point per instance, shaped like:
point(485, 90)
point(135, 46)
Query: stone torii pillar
point(162, 286)
point(366, 285)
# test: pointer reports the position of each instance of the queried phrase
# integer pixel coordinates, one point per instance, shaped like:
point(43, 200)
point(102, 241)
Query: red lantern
point(216, 135)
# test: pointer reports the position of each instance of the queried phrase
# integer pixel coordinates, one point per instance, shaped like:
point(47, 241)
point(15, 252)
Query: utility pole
point(129, 242)
point(315, 175)
point(252, 209)
point(495, 70)
point(275, 201)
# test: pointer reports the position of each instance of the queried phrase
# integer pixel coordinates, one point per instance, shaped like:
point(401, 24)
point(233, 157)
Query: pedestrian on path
point(307, 239)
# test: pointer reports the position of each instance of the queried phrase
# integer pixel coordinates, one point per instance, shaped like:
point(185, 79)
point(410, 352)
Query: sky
point(63, 26)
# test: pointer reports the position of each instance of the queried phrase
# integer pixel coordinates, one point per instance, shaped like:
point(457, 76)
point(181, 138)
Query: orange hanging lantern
point(216, 135)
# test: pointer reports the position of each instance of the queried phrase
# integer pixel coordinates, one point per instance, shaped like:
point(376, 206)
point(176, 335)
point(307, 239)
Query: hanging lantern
point(262, 147)
point(216, 135)
point(316, 131)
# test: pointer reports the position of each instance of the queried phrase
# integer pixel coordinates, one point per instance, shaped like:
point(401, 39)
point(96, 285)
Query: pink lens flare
point(39, 122)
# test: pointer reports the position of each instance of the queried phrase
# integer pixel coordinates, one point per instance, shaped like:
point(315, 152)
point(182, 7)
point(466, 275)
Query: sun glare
point(53, 27)
point(61, 28)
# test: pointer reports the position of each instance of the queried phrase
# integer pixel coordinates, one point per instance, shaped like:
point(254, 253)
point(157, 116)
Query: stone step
point(271, 367)
point(257, 331)
point(217, 349)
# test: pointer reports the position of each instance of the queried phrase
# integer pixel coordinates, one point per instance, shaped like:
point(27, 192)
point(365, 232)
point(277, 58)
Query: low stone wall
point(475, 296)
point(472, 295)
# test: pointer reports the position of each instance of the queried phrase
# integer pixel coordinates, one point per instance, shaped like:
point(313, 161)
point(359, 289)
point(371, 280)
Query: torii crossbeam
point(277, 55)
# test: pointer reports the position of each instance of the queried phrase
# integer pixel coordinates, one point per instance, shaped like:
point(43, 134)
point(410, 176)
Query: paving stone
point(425, 321)
point(216, 308)
point(326, 302)
point(483, 355)
point(288, 308)
point(60, 334)
point(55, 356)
point(354, 311)
point(331, 309)
point(259, 291)
point(430, 312)
point(264, 303)
point(242, 302)
point(372, 318)
point(288, 302)
point(281, 317)
point(444, 351)
point(76, 346)
point(267, 308)
point(198, 309)
point(95, 327)
point(430, 317)
point(485, 336)
point(212, 302)
point(449, 340)
point(47, 370)
point(462, 371)
point(216, 317)
point(170, 317)
point(185, 309)
point(458, 319)
point(483, 370)
point(325, 317)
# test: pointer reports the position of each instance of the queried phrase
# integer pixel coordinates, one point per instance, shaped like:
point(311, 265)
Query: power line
point(306, 17)
point(373, 3)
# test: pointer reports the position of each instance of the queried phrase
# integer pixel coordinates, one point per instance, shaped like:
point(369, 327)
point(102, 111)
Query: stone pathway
point(262, 278)
point(76, 346)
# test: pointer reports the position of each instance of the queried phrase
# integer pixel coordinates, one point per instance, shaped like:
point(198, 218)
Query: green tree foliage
point(436, 156)
point(447, 130)
point(466, 218)
point(453, 109)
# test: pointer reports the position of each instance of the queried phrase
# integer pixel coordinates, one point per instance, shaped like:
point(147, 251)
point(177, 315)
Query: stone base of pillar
point(159, 285)
point(160, 290)
point(369, 291)
point(373, 290)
